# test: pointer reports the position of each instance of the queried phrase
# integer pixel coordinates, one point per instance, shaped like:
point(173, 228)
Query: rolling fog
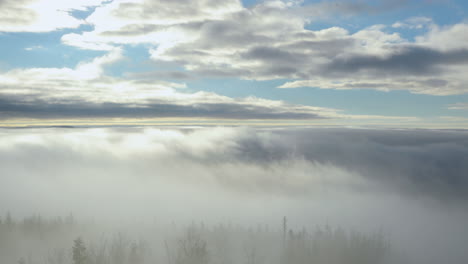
point(393, 196)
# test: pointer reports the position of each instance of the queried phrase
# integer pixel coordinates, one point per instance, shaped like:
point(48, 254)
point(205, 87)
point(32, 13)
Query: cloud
point(202, 105)
point(413, 60)
point(87, 92)
point(339, 8)
point(458, 106)
point(417, 164)
point(269, 41)
point(265, 41)
point(411, 184)
point(419, 22)
point(41, 15)
point(32, 48)
point(445, 38)
point(425, 67)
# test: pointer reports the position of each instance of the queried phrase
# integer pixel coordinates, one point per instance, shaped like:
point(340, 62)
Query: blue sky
point(212, 76)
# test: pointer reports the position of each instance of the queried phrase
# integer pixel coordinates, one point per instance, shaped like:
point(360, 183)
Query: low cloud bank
point(410, 183)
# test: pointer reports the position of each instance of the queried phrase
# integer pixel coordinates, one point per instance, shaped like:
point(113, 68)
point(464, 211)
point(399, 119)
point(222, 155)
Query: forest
point(64, 240)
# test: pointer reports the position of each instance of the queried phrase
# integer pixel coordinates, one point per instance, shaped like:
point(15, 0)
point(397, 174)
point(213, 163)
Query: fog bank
point(411, 184)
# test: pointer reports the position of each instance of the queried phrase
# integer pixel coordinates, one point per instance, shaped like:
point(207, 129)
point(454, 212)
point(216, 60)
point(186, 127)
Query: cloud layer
point(411, 183)
point(87, 92)
point(270, 40)
point(417, 163)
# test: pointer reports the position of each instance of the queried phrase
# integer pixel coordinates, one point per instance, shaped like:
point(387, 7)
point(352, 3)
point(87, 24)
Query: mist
point(407, 189)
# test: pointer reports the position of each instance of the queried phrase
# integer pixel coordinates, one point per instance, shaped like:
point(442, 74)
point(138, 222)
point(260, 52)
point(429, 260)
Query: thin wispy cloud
point(459, 106)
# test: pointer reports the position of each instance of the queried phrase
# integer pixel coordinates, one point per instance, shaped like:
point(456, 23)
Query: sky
point(331, 63)
point(349, 113)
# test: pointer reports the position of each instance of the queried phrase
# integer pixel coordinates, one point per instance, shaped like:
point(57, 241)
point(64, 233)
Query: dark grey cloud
point(404, 61)
point(298, 60)
point(150, 76)
point(410, 60)
point(65, 108)
point(271, 54)
point(351, 8)
point(328, 48)
point(377, 7)
point(240, 30)
point(425, 164)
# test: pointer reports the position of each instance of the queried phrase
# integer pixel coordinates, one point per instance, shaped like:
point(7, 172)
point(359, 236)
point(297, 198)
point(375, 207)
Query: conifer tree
point(79, 252)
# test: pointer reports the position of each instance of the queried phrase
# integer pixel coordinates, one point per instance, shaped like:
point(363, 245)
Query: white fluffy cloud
point(434, 64)
point(269, 41)
point(41, 15)
point(266, 41)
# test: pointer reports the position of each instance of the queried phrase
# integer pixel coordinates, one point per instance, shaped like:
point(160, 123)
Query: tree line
point(36, 240)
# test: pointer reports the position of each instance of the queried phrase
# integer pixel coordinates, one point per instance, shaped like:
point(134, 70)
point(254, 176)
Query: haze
point(409, 185)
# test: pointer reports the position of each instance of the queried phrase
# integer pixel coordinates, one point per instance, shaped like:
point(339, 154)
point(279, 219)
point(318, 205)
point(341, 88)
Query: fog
point(158, 187)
